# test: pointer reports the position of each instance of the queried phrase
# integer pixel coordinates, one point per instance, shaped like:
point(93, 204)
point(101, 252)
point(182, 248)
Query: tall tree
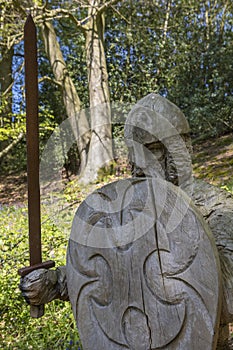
point(98, 141)
point(70, 97)
point(100, 151)
point(9, 24)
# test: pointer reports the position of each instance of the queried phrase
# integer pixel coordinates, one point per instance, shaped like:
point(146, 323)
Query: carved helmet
point(157, 137)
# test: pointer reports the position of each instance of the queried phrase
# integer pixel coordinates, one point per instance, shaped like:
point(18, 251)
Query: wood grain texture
point(216, 206)
point(156, 288)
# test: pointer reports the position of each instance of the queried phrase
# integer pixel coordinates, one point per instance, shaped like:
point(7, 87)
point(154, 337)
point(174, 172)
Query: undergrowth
point(56, 329)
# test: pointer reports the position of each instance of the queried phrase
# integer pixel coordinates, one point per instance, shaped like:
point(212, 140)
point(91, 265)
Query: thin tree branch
point(17, 5)
point(165, 29)
point(108, 4)
point(120, 14)
point(11, 85)
point(11, 145)
point(63, 13)
point(54, 81)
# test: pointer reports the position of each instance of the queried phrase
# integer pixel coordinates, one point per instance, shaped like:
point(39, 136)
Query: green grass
point(56, 329)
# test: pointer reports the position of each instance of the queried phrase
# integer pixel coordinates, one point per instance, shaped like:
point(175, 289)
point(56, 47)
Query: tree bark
point(100, 152)
point(6, 75)
point(71, 99)
point(7, 52)
point(6, 82)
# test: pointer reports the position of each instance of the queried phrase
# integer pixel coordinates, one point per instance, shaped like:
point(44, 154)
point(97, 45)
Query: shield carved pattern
point(142, 270)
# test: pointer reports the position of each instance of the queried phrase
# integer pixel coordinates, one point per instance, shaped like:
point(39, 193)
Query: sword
point(32, 136)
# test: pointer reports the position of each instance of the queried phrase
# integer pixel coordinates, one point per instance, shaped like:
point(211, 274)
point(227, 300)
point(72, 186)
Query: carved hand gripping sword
point(32, 127)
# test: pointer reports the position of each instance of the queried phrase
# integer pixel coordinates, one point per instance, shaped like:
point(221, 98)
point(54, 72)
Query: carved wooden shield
point(142, 270)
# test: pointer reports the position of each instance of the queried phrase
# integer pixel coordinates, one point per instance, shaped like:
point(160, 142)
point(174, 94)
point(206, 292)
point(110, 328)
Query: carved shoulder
point(216, 206)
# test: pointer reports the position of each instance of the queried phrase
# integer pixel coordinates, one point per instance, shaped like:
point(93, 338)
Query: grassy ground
point(213, 162)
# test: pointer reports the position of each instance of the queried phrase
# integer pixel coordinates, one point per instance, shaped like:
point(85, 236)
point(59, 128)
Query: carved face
point(157, 136)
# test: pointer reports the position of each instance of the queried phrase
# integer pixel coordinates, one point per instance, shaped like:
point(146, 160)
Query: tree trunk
point(6, 91)
point(6, 54)
point(71, 99)
point(100, 152)
point(6, 78)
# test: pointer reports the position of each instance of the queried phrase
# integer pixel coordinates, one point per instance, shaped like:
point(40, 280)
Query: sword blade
point(32, 127)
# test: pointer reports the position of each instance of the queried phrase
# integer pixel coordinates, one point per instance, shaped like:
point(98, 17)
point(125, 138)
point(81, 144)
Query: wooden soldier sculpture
point(142, 266)
point(215, 204)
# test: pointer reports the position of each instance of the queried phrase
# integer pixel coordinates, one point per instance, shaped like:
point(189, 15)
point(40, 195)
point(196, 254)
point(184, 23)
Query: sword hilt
point(44, 265)
point(36, 311)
